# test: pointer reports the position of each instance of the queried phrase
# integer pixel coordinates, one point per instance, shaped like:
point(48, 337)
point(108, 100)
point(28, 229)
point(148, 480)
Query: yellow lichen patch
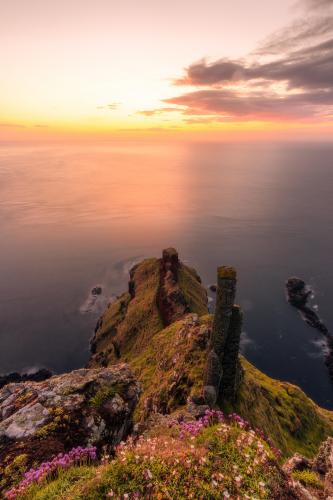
point(226, 272)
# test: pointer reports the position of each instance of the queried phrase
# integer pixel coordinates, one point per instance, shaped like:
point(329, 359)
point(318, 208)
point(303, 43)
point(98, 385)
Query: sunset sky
point(103, 67)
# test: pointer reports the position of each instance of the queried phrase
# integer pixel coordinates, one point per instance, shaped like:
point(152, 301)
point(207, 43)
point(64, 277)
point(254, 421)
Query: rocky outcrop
point(84, 407)
point(160, 292)
point(170, 361)
point(298, 294)
point(323, 462)
point(296, 463)
point(222, 373)
point(321, 469)
point(37, 376)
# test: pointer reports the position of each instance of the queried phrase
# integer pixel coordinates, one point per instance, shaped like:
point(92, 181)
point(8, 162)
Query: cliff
point(171, 362)
point(160, 291)
point(204, 422)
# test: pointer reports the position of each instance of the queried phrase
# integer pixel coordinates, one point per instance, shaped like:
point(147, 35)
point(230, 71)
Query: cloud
point(111, 106)
point(306, 68)
point(157, 111)
point(202, 73)
point(12, 125)
point(290, 75)
point(265, 106)
point(318, 4)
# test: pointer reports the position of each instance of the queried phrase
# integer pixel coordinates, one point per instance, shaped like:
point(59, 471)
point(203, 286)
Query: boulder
point(296, 463)
point(323, 462)
point(86, 407)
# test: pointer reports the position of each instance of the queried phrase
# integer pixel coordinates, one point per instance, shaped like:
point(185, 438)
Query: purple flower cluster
point(75, 456)
point(194, 427)
point(244, 424)
point(211, 417)
point(277, 452)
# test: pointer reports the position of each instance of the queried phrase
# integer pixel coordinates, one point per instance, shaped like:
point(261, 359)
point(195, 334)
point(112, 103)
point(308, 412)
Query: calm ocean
point(73, 216)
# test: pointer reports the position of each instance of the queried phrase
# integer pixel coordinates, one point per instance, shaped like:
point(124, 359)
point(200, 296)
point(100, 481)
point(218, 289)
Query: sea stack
point(222, 367)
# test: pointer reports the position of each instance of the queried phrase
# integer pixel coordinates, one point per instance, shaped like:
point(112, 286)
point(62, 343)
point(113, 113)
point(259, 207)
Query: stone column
point(230, 362)
point(225, 298)
point(222, 365)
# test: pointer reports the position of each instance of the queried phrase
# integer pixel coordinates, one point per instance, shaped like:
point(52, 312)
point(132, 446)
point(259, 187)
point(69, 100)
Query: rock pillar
point(222, 366)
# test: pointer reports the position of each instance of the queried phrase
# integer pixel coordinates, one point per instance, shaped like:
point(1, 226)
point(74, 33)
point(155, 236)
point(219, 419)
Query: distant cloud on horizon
point(289, 76)
point(111, 106)
point(157, 111)
point(12, 125)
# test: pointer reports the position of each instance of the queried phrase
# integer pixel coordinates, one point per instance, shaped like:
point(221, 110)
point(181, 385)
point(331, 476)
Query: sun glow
point(81, 68)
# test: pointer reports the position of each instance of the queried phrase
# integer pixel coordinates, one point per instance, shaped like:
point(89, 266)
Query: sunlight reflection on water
point(72, 216)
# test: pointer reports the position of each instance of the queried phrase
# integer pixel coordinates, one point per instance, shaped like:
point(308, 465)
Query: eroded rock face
point(85, 407)
point(171, 299)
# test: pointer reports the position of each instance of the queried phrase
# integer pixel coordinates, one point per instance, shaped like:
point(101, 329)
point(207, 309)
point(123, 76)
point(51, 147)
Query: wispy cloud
point(290, 75)
point(111, 106)
point(157, 111)
point(12, 125)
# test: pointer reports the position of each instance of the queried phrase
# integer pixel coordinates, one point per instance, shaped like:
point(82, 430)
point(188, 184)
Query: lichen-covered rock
point(312, 479)
point(296, 463)
point(84, 407)
point(323, 462)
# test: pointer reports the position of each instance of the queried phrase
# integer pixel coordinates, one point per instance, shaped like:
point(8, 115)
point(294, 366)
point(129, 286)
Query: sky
point(213, 67)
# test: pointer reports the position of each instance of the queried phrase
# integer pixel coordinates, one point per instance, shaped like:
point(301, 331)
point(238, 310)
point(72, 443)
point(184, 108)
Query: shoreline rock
point(298, 294)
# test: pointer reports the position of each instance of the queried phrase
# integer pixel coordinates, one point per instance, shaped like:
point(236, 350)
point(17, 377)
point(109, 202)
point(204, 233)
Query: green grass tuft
point(307, 478)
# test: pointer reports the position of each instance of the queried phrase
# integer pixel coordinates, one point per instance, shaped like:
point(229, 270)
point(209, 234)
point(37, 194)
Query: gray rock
point(87, 407)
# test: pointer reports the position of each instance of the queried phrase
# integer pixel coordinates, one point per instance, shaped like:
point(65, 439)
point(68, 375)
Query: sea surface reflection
point(73, 216)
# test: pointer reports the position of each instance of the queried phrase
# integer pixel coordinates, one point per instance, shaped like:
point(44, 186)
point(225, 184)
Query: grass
point(292, 420)
point(308, 478)
point(131, 322)
point(105, 394)
point(223, 459)
point(195, 294)
point(170, 369)
point(62, 485)
point(170, 364)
